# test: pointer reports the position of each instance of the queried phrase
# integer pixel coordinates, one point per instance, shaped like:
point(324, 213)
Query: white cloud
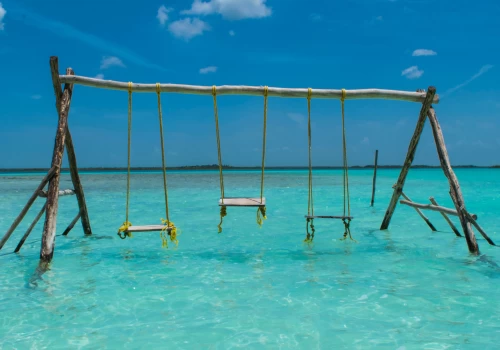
point(36, 97)
point(110, 61)
point(424, 52)
point(210, 69)
point(188, 28)
point(379, 18)
point(2, 16)
point(412, 72)
point(297, 117)
point(163, 14)
point(232, 33)
point(483, 70)
point(230, 9)
point(365, 141)
point(99, 76)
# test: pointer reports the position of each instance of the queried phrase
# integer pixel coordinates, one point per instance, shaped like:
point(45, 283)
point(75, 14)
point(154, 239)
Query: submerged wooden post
point(455, 191)
point(32, 226)
point(49, 228)
point(72, 224)
point(28, 205)
point(398, 188)
point(70, 149)
point(427, 221)
point(453, 227)
point(374, 178)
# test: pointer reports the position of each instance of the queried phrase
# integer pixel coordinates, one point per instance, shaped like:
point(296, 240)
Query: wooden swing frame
point(63, 139)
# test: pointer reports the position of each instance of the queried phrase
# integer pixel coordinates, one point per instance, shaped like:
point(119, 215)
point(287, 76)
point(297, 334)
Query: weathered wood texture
point(479, 228)
point(453, 227)
point(67, 192)
point(374, 178)
point(70, 150)
point(242, 202)
point(72, 224)
point(32, 226)
point(432, 207)
point(250, 90)
point(23, 212)
point(49, 228)
point(425, 218)
point(147, 228)
point(455, 191)
point(412, 148)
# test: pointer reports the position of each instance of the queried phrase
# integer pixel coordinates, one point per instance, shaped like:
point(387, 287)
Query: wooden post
point(455, 191)
point(32, 226)
point(427, 221)
point(72, 224)
point(21, 215)
point(70, 150)
point(479, 228)
point(374, 177)
point(398, 188)
point(453, 227)
point(49, 228)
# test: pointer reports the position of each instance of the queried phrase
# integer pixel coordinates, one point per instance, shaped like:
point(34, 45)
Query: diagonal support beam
point(70, 150)
point(455, 191)
point(398, 187)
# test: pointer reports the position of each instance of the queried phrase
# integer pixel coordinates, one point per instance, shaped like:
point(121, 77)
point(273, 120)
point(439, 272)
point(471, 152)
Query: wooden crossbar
point(250, 90)
point(242, 202)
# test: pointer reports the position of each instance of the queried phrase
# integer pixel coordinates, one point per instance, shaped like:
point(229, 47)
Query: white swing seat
point(327, 217)
point(242, 202)
point(148, 228)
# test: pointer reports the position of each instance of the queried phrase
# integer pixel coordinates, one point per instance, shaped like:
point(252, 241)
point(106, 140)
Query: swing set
point(167, 228)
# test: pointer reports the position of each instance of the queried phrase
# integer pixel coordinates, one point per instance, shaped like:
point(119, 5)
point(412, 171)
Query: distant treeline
point(215, 167)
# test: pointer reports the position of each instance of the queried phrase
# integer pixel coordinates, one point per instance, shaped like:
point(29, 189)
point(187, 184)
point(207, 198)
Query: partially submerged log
point(432, 207)
point(479, 228)
point(67, 192)
point(412, 148)
point(453, 227)
point(72, 224)
point(32, 226)
point(374, 178)
point(427, 221)
point(250, 90)
point(455, 191)
point(49, 228)
point(32, 199)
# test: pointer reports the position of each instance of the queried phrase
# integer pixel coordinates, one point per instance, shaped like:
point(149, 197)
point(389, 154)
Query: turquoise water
point(403, 288)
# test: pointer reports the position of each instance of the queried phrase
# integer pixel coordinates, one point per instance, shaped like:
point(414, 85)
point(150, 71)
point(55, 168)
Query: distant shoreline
point(215, 167)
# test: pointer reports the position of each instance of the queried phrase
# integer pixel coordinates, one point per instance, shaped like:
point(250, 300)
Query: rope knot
point(130, 87)
point(309, 93)
point(223, 213)
point(342, 98)
point(265, 91)
point(158, 89)
point(214, 90)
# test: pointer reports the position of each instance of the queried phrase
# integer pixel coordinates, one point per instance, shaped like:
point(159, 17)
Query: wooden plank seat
point(147, 228)
point(242, 202)
point(327, 217)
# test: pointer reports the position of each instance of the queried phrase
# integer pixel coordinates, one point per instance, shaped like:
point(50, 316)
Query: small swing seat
point(148, 228)
point(242, 202)
point(328, 217)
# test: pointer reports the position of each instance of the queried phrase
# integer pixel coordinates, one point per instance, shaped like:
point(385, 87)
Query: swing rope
point(261, 211)
point(169, 228)
point(345, 220)
point(223, 209)
point(310, 204)
point(127, 223)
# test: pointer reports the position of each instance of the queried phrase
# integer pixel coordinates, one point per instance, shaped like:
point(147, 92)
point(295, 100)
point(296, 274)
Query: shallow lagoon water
point(403, 288)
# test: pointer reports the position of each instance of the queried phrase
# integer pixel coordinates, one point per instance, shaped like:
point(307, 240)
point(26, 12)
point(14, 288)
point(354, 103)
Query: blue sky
point(392, 44)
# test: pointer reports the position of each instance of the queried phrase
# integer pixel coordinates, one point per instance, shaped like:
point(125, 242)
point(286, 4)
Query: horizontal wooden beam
point(250, 90)
point(61, 193)
point(433, 208)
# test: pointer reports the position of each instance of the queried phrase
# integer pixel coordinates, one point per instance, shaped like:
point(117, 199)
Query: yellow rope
point(346, 221)
point(310, 204)
point(169, 228)
point(261, 211)
point(223, 210)
point(127, 223)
